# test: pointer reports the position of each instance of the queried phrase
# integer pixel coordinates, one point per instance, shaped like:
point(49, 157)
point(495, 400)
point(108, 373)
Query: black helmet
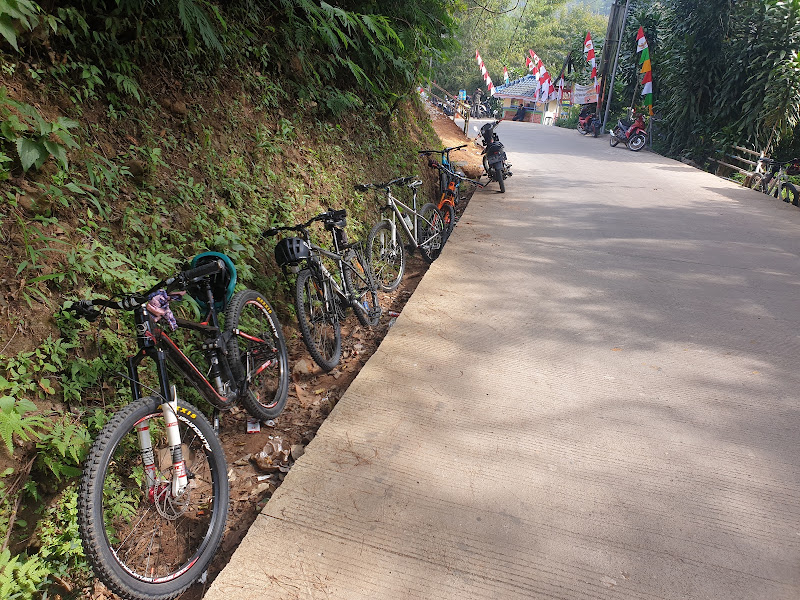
point(290, 251)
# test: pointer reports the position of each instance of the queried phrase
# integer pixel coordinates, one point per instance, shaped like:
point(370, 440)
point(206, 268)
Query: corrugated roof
point(524, 87)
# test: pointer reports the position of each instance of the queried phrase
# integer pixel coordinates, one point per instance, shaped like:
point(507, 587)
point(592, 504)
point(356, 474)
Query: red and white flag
point(505, 74)
point(546, 91)
point(588, 50)
point(485, 73)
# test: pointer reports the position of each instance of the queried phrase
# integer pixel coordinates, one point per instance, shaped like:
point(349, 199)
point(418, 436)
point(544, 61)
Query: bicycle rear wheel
point(430, 232)
point(257, 354)
point(386, 255)
point(318, 319)
point(147, 543)
point(358, 280)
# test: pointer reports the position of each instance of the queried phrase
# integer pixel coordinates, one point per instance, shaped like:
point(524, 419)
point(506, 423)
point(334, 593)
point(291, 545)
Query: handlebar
point(434, 165)
point(363, 187)
point(86, 308)
point(331, 216)
point(774, 161)
point(443, 152)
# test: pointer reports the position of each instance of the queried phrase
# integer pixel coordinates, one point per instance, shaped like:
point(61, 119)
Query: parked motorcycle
point(633, 133)
point(494, 155)
point(589, 122)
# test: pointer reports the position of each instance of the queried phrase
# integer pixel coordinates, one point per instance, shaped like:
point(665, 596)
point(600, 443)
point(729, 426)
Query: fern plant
point(34, 138)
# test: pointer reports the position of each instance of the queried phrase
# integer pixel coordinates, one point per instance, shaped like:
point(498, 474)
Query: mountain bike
point(450, 196)
point(444, 180)
point(424, 229)
point(772, 179)
point(153, 496)
point(320, 297)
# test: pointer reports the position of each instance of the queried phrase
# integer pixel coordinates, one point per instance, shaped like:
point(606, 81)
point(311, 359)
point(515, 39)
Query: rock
point(297, 451)
point(137, 168)
point(179, 108)
point(244, 461)
point(302, 367)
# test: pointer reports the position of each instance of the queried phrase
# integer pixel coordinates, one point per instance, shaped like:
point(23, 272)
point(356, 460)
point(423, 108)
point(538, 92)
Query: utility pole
point(616, 59)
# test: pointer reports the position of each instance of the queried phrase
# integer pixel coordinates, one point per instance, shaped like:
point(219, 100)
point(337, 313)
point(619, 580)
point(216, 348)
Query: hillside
point(123, 157)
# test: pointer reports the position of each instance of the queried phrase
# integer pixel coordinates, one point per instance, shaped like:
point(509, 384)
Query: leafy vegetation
point(134, 135)
point(723, 73)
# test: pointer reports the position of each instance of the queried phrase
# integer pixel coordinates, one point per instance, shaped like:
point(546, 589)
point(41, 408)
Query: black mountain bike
point(321, 298)
point(153, 497)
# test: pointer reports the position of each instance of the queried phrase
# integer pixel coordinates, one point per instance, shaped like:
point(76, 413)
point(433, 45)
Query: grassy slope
point(190, 168)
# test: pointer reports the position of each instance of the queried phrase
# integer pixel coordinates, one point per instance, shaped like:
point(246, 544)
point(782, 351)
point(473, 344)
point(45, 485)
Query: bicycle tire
point(449, 218)
point(319, 322)
point(756, 182)
point(430, 232)
point(363, 288)
point(250, 314)
point(789, 193)
point(150, 561)
point(386, 255)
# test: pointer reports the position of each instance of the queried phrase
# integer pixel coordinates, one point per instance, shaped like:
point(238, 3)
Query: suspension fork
point(169, 409)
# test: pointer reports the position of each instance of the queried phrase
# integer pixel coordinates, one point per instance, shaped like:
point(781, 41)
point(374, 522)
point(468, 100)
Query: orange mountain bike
point(450, 195)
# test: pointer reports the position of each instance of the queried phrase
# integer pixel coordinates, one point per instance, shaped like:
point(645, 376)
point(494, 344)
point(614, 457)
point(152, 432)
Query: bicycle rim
point(319, 323)
point(142, 541)
point(257, 353)
point(363, 289)
point(386, 255)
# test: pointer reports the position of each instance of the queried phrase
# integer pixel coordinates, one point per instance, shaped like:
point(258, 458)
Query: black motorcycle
point(494, 156)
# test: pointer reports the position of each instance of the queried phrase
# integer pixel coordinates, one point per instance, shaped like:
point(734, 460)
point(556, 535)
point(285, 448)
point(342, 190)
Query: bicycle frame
point(315, 262)
point(393, 203)
point(154, 343)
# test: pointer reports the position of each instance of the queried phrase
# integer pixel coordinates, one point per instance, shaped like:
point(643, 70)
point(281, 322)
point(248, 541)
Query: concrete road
point(593, 393)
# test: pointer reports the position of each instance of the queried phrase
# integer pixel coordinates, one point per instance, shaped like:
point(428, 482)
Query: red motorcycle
point(633, 133)
point(588, 122)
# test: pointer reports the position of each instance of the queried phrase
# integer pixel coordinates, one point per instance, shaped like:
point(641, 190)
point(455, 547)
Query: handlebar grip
point(85, 309)
point(361, 187)
point(270, 232)
point(209, 268)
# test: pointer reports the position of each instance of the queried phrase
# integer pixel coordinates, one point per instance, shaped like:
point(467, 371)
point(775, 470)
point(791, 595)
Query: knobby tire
point(260, 351)
point(431, 229)
point(318, 320)
point(361, 284)
point(386, 255)
point(143, 546)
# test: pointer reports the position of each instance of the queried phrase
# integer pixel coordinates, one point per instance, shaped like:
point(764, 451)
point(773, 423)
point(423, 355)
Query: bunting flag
point(505, 74)
point(546, 91)
point(644, 60)
point(485, 73)
point(588, 50)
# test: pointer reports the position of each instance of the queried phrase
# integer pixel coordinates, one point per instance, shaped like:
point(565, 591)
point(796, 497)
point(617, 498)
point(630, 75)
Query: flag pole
point(614, 71)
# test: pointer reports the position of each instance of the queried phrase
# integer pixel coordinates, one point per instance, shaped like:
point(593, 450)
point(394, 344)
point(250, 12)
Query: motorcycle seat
point(625, 123)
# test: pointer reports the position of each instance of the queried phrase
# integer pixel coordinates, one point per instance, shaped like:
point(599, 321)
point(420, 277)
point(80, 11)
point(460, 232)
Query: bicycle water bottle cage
point(291, 251)
point(222, 283)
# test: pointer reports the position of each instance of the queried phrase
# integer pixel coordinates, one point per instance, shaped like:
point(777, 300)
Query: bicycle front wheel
point(143, 541)
point(318, 320)
point(386, 255)
point(257, 354)
point(789, 193)
point(431, 231)
point(361, 285)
